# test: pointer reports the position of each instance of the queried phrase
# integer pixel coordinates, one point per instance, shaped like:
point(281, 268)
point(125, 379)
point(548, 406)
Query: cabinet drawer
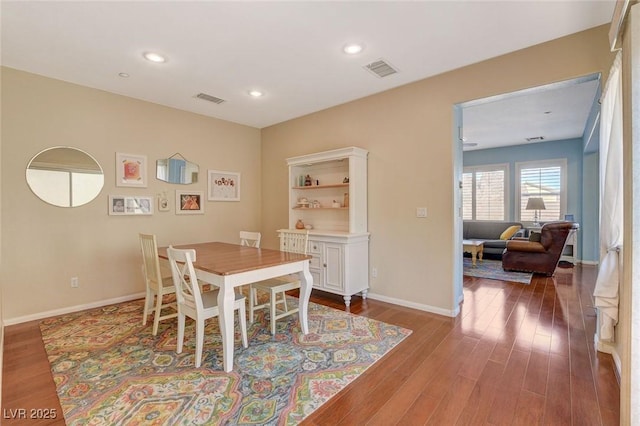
point(315, 247)
point(314, 262)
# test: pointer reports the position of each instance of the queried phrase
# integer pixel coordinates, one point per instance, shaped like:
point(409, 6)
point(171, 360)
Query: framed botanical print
point(224, 186)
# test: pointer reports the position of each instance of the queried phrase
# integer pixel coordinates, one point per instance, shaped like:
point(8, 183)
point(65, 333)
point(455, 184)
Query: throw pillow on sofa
point(535, 237)
point(509, 232)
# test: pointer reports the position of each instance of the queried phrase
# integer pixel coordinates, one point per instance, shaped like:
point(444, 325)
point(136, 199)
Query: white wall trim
point(427, 308)
point(69, 309)
point(610, 349)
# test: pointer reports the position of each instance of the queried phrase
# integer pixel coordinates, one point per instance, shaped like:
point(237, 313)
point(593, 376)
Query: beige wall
point(409, 133)
point(44, 246)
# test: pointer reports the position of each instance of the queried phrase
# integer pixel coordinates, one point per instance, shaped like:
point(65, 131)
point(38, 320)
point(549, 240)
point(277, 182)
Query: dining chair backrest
point(291, 241)
point(184, 278)
point(294, 241)
point(150, 261)
point(251, 239)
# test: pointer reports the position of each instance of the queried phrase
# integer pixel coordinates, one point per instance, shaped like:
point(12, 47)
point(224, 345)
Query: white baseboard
point(419, 306)
point(590, 262)
point(62, 311)
point(610, 349)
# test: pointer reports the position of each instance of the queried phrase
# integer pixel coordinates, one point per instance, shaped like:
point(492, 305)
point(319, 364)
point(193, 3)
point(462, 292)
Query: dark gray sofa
point(489, 231)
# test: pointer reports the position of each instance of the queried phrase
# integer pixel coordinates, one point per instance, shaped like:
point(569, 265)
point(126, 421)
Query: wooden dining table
point(231, 265)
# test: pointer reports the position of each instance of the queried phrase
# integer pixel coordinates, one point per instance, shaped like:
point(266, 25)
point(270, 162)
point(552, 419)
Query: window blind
point(543, 182)
point(483, 193)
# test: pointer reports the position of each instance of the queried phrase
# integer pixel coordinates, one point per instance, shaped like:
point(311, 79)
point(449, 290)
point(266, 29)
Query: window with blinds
point(546, 180)
point(484, 192)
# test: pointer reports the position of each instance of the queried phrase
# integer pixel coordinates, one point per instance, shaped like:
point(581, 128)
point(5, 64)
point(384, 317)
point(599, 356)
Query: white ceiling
point(554, 112)
point(290, 50)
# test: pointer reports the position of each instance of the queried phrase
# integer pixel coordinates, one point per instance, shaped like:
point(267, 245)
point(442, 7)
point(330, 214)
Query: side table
point(475, 247)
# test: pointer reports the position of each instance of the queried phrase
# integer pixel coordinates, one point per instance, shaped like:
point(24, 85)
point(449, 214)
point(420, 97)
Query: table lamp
point(537, 204)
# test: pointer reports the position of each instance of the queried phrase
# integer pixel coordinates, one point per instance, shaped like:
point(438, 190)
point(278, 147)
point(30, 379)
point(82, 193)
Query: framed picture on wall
point(122, 205)
point(568, 217)
point(163, 202)
point(224, 186)
point(131, 170)
point(189, 202)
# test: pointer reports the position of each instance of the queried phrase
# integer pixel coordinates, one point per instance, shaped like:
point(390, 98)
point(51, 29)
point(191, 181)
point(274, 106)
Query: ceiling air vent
point(535, 139)
point(381, 68)
point(209, 98)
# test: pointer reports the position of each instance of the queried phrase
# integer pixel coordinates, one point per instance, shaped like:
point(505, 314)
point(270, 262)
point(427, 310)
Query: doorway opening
point(554, 121)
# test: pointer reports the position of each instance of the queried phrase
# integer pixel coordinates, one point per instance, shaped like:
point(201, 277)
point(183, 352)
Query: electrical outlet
point(374, 272)
point(421, 212)
point(74, 282)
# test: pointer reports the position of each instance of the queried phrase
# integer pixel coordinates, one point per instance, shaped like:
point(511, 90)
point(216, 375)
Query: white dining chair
point(157, 286)
point(195, 304)
point(251, 239)
point(291, 241)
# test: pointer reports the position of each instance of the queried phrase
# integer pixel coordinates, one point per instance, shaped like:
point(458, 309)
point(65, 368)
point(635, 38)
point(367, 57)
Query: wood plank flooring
point(516, 355)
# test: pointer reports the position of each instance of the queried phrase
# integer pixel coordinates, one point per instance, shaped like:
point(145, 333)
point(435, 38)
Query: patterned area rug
point(110, 370)
point(492, 269)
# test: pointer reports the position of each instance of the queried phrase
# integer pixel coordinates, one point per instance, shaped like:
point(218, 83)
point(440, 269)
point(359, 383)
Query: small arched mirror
point(65, 176)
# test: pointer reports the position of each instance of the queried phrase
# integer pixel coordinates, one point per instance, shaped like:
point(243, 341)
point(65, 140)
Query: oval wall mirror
point(176, 169)
point(65, 176)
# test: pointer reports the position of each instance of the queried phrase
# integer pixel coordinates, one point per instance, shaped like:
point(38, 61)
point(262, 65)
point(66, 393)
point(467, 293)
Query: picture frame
point(125, 205)
point(131, 170)
point(189, 202)
point(569, 217)
point(223, 186)
point(163, 203)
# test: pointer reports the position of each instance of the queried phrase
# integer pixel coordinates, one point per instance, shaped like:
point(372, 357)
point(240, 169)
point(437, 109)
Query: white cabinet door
point(339, 263)
point(333, 266)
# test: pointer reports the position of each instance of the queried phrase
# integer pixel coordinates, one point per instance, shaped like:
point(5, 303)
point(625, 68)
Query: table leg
point(473, 256)
point(306, 283)
point(480, 254)
point(226, 300)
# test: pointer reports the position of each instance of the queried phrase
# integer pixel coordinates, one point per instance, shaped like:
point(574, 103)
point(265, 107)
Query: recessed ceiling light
point(155, 57)
point(256, 93)
point(353, 48)
point(123, 75)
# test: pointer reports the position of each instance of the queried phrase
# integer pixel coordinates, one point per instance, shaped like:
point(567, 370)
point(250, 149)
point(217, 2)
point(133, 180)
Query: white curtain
point(611, 203)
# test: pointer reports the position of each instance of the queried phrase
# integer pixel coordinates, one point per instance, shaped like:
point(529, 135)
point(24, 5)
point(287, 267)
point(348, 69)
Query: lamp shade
point(535, 203)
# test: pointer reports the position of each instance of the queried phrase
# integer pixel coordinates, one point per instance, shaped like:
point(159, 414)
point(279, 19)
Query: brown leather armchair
point(540, 257)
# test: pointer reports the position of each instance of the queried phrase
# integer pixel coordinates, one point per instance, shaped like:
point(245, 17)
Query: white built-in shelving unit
point(339, 239)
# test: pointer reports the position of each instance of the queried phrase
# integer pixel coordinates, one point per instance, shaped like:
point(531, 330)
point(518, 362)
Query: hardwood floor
point(516, 355)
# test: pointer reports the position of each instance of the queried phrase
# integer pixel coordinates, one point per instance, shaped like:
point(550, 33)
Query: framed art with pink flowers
point(131, 170)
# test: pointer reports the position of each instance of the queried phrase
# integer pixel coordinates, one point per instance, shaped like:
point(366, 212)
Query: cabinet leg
point(364, 294)
point(347, 301)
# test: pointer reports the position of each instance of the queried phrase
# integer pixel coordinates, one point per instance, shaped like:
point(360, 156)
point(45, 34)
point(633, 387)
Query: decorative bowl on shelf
point(308, 227)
